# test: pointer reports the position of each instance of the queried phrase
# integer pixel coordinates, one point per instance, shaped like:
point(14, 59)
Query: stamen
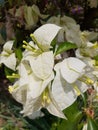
point(7, 54)
point(78, 92)
point(87, 80)
point(45, 97)
point(13, 76)
point(27, 47)
point(26, 43)
point(34, 39)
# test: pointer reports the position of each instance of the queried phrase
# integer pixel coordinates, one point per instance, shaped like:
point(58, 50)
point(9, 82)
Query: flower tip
point(10, 89)
point(31, 35)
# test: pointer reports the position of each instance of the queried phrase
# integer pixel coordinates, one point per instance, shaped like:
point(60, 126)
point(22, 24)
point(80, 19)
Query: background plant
point(13, 25)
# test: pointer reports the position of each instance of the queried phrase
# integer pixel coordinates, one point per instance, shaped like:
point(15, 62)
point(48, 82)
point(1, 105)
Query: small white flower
point(45, 34)
point(42, 64)
point(71, 69)
point(7, 56)
point(66, 87)
point(45, 100)
point(70, 31)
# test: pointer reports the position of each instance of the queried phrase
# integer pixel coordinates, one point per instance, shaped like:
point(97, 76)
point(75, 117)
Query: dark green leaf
point(53, 43)
point(74, 116)
point(65, 46)
point(91, 125)
point(18, 53)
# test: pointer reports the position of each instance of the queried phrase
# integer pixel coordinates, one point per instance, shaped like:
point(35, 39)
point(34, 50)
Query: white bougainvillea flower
point(45, 100)
point(89, 50)
point(71, 69)
point(44, 35)
point(70, 30)
point(31, 15)
point(7, 56)
point(66, 89)
point(90, 35)
point(32, 83)
point(33, 93)
point(62, 93)
point(41, 65)
point(20, 95)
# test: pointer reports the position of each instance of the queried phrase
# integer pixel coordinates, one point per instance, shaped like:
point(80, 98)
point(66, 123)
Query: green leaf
point(53, 44)
point(74, 116)
point(18, 53)
point(91, 124)
point(72, 112)
point(65, 46)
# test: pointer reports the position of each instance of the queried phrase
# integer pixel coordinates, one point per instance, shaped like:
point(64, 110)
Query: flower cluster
point(45, 79)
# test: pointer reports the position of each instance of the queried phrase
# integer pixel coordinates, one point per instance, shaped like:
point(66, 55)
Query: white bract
point(45, 34)
point(88, 50)
point(36, 73)
point(70, 30)
point(65, 87)
point(45, 100)
point(30, 91)
point(41, 66)
point(7, 56)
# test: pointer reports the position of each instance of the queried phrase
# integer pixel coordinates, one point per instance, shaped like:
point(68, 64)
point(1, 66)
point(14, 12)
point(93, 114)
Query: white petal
point(67, 20)
point(78, 54)
point(37, 86)
point(36, 114)
point(62, 92)
point(8, 46)
point(9, 61)
point(31, 106)
point(54, 108)
point(81, 86)
point(42, 65)
point(73, 33)
point(23, 72)
point(71, 69)
point(19, 92)
point(54, 20)
point(45, 34)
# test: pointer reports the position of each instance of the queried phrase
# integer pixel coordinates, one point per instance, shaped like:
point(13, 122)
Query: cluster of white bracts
point(43, 83)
